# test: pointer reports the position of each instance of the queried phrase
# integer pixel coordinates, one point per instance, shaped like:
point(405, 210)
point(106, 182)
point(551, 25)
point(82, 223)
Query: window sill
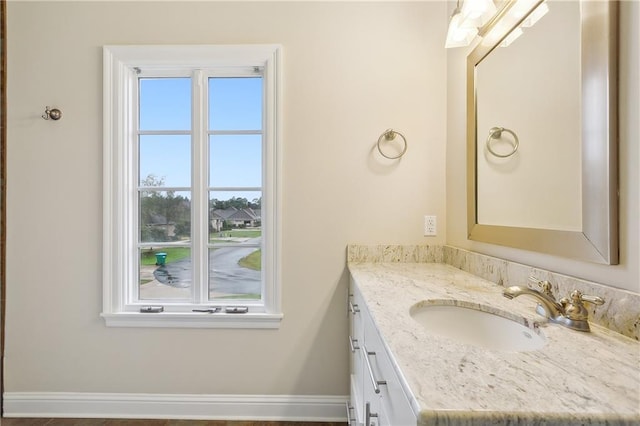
point(192, 320)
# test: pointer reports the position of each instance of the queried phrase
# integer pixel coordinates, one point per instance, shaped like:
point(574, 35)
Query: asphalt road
point(226, 276)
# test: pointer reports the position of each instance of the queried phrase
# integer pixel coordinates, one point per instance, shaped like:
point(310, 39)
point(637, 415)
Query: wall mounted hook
point(52, 114)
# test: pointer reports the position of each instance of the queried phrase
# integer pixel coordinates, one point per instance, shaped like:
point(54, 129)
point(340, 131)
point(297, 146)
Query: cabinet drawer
point(356, 338)
point(395, 409)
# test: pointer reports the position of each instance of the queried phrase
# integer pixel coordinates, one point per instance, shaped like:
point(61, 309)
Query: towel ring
point(496, 133)
point(390, 135)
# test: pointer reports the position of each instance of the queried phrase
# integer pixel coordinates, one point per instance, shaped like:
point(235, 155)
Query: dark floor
point(126, 422)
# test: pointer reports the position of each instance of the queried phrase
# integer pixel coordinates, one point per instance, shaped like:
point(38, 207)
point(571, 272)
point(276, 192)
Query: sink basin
point(477, 325)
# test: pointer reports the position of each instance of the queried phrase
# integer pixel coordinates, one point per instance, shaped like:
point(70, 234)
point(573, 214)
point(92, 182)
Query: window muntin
point(235, 166)
point(165, 192)
point(159, 147)
point(235, 188)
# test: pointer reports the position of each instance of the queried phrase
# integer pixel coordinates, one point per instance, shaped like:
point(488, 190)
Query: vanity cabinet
point(376, 397)
point(432, 379)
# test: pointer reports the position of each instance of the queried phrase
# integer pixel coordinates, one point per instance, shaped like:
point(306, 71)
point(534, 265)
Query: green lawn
point(247, 296)
point(234, 233)
point(252, 261)
point(173, 254)
point(245, 233)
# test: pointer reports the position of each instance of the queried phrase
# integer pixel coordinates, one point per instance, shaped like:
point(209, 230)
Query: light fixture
point(512, 23)
point(457, 36)
point(476, 13)
point(513, 35)
point(536, 15)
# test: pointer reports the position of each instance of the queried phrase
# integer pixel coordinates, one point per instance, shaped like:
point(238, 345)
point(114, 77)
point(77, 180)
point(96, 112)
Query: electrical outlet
point(430, 226)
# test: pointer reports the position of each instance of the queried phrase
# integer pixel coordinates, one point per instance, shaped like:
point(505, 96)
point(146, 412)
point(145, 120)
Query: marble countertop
point(576, 378)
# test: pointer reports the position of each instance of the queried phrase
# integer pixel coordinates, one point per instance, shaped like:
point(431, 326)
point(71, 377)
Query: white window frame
point(120, 266)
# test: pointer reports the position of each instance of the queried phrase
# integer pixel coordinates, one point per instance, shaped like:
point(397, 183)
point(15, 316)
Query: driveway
point(226, 276)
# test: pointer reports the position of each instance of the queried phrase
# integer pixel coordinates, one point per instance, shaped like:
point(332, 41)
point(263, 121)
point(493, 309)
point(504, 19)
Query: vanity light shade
point(456, 35)
point(476, 13)
point(536, 15)
point(513, 35)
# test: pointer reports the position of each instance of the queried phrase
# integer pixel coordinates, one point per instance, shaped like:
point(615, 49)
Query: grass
point(173, 254)
point(252, 261)
point(235, 233)
point(247, 296)
point(245, 233)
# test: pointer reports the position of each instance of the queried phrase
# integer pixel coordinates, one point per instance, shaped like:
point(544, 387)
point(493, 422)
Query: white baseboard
point(166, 406)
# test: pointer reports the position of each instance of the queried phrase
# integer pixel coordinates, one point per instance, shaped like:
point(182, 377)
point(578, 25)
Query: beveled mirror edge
point(598, 241)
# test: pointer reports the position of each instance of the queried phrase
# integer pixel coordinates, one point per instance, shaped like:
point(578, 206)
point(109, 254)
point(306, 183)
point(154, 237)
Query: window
point(191, 229)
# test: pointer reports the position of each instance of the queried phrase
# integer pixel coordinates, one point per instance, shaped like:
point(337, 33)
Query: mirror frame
point(598, 240)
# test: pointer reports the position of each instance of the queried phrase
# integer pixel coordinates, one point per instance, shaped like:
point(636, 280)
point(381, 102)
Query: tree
point(235, 202)
point(163, 215)
point(256, 203)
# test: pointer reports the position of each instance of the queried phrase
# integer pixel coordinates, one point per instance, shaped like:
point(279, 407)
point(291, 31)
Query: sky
point(234, 104)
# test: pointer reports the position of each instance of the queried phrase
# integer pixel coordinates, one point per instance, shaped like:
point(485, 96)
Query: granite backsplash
point(620, 312)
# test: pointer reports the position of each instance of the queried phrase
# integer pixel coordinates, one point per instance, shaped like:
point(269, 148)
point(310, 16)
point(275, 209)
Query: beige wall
point(512, 190)
point(626, 275)
point(351, 70)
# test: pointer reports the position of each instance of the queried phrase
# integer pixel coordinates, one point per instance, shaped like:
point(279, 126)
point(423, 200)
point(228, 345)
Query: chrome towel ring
point(388, 136)
point(496, 133)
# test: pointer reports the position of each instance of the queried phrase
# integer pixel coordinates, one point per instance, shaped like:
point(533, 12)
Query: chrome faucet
point(569, 312)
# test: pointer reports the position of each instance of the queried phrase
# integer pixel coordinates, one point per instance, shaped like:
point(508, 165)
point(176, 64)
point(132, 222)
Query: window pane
point(165, 273)
point(235, 273)
point(165, 160)
point(165, 216)
point(235, 161)
point(234, 216)
point(165, 103)
point(235, 103)
point(235, 261)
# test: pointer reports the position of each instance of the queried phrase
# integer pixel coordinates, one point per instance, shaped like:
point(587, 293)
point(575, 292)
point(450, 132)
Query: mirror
point(542, 130)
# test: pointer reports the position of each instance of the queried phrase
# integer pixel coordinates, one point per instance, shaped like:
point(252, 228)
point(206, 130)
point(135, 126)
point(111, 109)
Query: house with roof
point(235, 218)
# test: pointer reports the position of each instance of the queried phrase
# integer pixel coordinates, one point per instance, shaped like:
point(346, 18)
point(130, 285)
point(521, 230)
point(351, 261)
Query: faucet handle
point(591, 299)
point(544, 285)
point(574, 306)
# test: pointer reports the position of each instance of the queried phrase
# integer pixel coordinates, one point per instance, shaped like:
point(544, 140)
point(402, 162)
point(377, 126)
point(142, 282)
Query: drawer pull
point(354, 309)
point(376, 383)
point(353, 344)
point(368, 414)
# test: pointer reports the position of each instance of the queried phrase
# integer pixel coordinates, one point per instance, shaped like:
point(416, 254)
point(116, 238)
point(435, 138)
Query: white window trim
point(119, 78)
